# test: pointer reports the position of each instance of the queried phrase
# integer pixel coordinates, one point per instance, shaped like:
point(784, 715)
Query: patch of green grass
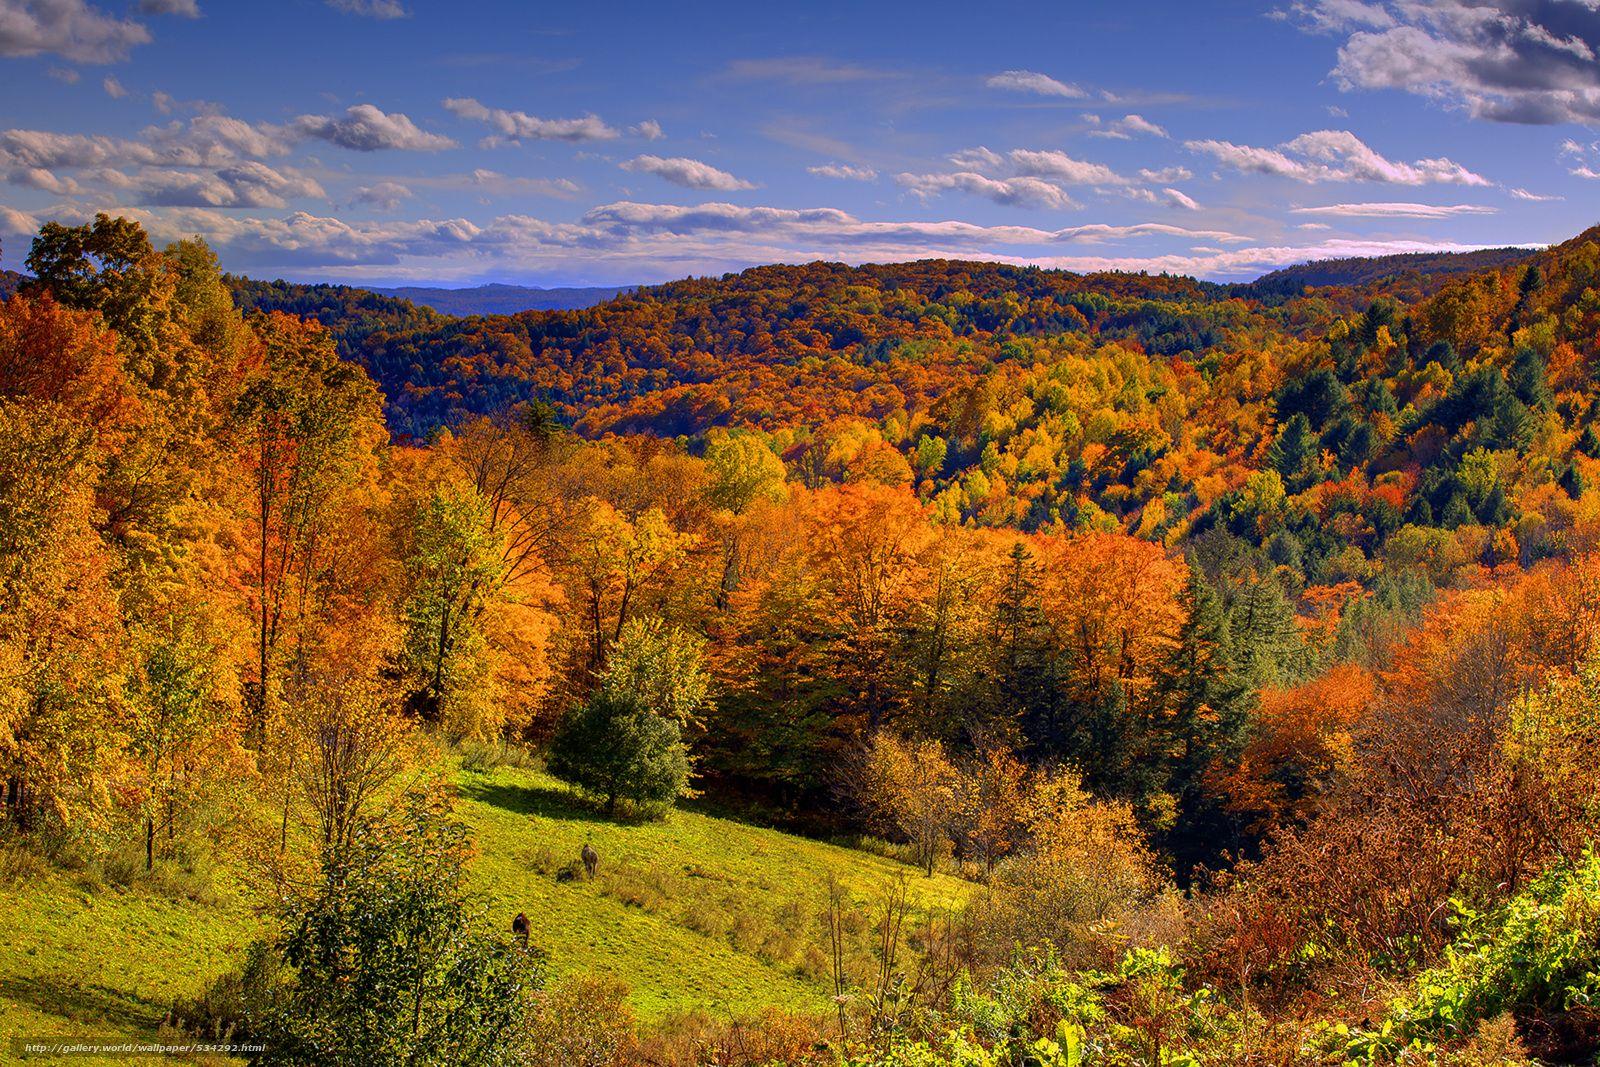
point(96, 963)
point(692, 912)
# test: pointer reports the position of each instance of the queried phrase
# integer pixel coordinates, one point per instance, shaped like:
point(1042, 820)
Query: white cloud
point(1525, 61)
point(1395, 210)
point(844, 172)
point(690, 173)
point(1049, 163)
point(1030, 81)
point(70, 29)
point(365, 128)
point(41, 178)
point(1523, 194)
point(514, 126)
point(1167, 174)
point(1181, 199)
point(1128, 127)
point(385, 196)
point(245, 185)
point(1334, 156)
point(649, 129)
point(64, 75)
point(1012, 192)
point(372, 9)
point(113, 87)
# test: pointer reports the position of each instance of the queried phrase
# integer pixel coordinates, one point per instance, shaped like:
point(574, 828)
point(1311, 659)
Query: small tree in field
point(386, 963)
point(614, 748)
point(913, 788)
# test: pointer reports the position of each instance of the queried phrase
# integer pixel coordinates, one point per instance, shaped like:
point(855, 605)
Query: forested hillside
point(1407, 271)
point(499, 299)
point(1240, 655)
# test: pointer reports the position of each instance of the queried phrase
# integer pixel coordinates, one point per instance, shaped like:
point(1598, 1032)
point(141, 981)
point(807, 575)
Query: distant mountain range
point(503, 299)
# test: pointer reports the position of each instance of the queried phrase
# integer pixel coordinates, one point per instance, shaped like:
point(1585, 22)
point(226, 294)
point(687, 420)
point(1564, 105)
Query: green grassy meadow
point(692, 912)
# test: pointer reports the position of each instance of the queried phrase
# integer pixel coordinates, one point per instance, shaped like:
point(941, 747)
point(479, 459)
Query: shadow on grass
point(83, 1004)
point(550, 802)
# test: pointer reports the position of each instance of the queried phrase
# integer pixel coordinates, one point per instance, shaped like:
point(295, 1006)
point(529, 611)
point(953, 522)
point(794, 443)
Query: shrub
point(614, 749)
point(1538, 957)
point(387, 967)
point(583, 1022)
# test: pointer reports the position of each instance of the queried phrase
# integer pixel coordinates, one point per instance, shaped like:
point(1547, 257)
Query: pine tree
point(1208, 707)
point(1025, 683)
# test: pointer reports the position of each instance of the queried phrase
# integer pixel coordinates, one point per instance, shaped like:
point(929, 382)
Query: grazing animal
point(591, 860)
point(519, 927)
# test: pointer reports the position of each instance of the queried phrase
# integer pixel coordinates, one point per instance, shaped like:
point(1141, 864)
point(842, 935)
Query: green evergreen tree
point(1294, 452)
point(1527, 380)
point(1267, 643)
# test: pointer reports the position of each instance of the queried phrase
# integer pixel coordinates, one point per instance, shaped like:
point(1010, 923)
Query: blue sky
point(377, 141)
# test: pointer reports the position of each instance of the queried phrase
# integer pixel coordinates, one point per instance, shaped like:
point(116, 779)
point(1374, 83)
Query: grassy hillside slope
point(692, 912)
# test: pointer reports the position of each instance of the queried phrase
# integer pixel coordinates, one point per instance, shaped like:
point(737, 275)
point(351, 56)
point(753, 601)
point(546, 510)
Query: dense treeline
point(1421, 273)
point(1090, 586)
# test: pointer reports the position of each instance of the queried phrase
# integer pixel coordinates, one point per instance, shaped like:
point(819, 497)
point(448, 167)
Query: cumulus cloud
point(385, 196)
point(41, 178)
point(1049, 163)
point(1395, 210)
point(1031, 81)
point(372, 9)
point(246, 185)
point(365, 128)
point(649, 129)
point(14, 221)
point(113, 87)
point(1526, 61)
point(70, 29)
point(844, 172)
point(689, 173)
point(1128, 127)
point(1167, 174)
point(1179, 198)
point(1334, 156)
point(516, 126)
point(1013, 192)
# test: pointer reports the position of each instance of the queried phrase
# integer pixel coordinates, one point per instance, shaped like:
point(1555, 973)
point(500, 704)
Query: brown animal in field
point(519, 927)
point(591, 860)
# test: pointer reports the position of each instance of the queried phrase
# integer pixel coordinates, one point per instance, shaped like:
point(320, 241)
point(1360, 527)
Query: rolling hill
point(106, 950)
point(499, 299)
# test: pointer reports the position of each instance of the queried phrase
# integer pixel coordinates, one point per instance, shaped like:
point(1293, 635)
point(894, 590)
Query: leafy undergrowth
point(692, 912)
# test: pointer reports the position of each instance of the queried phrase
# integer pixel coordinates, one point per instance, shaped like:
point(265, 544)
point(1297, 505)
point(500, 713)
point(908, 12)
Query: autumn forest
point(1231, 652)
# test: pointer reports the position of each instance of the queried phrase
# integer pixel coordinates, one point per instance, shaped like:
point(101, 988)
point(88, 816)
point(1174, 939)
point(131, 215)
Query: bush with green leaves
point(1039, 1013)
point(1538, 955)
point(385, 964)
point(615, 749)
